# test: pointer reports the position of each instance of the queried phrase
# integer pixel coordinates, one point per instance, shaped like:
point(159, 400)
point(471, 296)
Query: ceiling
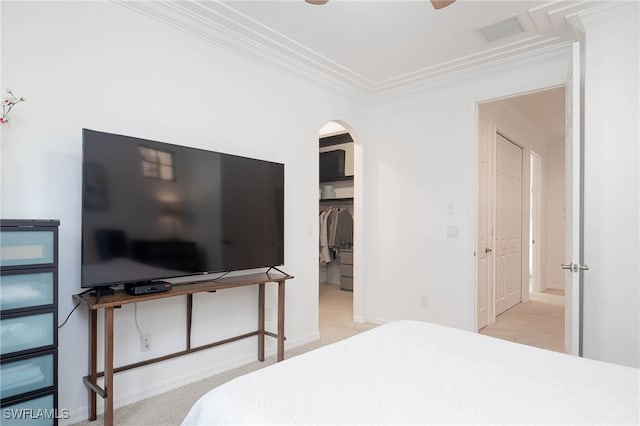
point(331, 128)
point(370, 45)
point(544, 109)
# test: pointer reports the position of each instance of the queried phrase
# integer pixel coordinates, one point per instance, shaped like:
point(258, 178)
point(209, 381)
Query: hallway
point(539, 322)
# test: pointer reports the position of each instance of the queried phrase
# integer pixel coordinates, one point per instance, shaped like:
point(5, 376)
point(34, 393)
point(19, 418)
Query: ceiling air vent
point(505, 28)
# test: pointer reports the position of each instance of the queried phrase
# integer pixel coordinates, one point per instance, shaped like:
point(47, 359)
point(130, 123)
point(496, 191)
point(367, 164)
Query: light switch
point(452, 232)
point(451, 209)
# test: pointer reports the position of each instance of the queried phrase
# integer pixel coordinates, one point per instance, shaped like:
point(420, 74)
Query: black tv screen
point(153, 210)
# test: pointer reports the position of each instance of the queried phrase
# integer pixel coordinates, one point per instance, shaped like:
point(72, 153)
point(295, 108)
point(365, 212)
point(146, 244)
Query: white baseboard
point(361, 320)
point(379, 321)
point(555, 286)
point(123, 398)
point(302, 341)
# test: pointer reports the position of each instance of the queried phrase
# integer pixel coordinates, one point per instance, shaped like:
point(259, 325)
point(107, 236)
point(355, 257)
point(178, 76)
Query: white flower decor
point(8, 103)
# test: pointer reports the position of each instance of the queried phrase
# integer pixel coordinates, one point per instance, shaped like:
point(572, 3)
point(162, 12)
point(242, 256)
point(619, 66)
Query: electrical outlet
point(145, 342)
point(269, 314)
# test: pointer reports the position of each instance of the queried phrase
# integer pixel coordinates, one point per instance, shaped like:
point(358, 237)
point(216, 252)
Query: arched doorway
point(340, 279)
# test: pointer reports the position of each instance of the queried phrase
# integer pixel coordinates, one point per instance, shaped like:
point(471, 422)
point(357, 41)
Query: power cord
point(218, 277)
point(72, 310)
point(135, 316)
point(68, 316)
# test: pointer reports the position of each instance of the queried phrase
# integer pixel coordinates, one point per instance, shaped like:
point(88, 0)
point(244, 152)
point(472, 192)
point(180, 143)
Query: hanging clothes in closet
point(336, 232)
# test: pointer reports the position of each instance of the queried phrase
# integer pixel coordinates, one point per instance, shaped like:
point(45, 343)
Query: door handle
point(574, 267)
point(487, 250)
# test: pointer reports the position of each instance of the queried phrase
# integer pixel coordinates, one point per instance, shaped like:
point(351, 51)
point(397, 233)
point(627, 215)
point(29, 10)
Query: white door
point(572, 217)
point(508, 256)
point(484, 248)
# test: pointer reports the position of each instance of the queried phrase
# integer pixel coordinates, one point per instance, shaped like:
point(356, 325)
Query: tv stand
point(109, 303)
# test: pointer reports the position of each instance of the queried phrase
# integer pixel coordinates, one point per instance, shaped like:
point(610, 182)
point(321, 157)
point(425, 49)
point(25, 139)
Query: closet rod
point(337, 200)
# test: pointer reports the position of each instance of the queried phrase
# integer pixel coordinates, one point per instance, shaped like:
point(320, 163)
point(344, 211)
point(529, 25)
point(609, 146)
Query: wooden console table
point(108, 303)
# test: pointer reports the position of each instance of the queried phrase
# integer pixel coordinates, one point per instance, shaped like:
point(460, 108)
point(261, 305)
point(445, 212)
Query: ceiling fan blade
point(439, 4)
point(316, 1)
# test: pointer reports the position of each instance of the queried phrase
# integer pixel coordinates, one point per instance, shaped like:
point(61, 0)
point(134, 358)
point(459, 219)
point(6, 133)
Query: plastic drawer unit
point(28, 322)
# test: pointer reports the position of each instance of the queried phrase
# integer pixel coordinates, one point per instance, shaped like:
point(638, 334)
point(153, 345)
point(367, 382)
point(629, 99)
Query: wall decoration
point(7, 104)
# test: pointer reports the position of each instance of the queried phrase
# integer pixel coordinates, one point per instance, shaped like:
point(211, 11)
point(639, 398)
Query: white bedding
point(411, 372)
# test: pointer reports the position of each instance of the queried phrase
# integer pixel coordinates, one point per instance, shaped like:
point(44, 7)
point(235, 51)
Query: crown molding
point(559, 52)
point(466, 63)
point(225, 27)
point(605, 14)
point(176, 15)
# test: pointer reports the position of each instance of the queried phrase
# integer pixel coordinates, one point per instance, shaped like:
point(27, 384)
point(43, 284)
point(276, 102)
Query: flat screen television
point(153, 210)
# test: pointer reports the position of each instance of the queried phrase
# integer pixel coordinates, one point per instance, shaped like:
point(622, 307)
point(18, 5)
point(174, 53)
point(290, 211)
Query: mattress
point(412, 372)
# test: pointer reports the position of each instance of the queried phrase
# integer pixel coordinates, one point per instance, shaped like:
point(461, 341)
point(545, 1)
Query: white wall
point(421, 157)
point(101, 66)
point(611, 195)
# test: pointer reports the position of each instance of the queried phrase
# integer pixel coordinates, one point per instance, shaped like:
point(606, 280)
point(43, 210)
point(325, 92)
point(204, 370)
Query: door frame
point(489, 199)
point(535, 184)
point(557, 82)
point(359, 245)
point(574, 111)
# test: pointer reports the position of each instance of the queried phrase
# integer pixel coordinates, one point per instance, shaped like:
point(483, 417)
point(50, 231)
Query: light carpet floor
point(539, 322)
point(336, 314)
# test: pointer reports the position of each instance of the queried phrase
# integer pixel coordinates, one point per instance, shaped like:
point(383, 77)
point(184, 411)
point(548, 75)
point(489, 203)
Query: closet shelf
point(333, 200)
point(337, 179)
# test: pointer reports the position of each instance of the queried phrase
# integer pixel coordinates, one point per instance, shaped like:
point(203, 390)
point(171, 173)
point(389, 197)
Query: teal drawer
point(37, 411)
point(30, 373)
point(19, 290)
point(27, 332)
point(27, 247)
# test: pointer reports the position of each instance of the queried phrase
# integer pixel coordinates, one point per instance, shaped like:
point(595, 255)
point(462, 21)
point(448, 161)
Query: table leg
point(189, 319)
point(280, 320)
point(93, 367)
point(261, 322)
point(108, 366)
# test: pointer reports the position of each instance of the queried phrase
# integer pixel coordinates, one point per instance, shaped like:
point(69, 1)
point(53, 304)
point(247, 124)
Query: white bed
point(412, 372)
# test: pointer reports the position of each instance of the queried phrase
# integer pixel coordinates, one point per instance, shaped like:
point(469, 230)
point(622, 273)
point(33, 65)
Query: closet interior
point(336, 208)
